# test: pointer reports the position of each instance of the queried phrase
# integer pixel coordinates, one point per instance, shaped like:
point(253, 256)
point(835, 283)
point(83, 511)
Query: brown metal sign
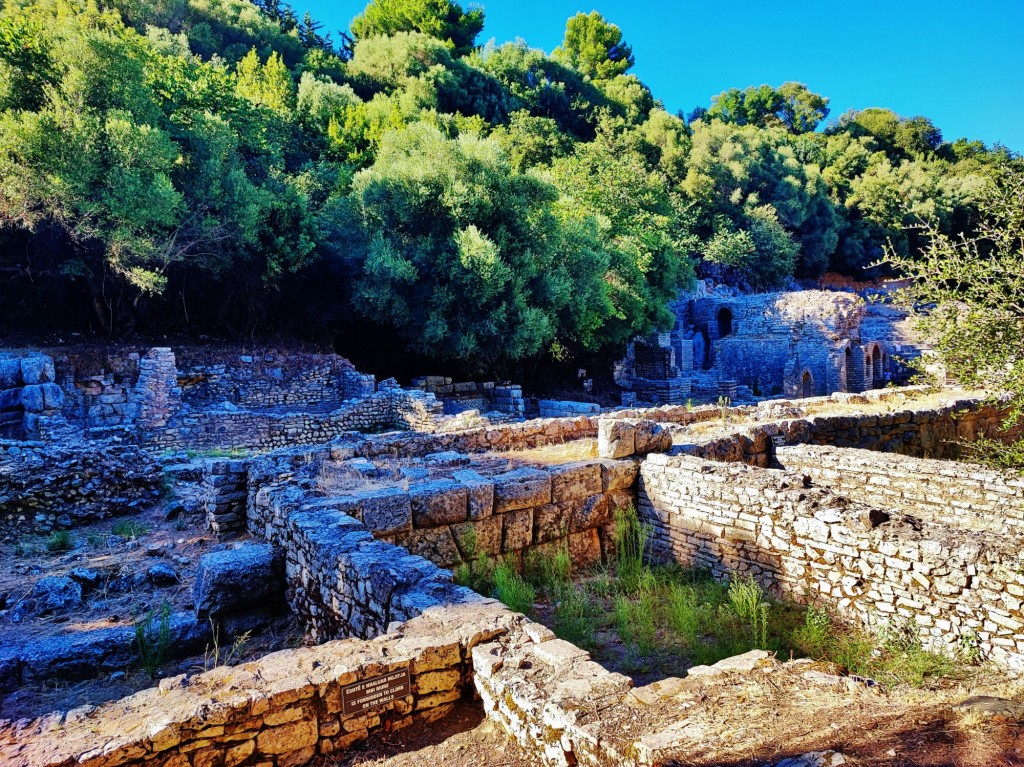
point(374, 692)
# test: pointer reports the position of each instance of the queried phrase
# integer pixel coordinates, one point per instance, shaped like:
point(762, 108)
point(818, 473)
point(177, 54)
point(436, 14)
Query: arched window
point(724, 322)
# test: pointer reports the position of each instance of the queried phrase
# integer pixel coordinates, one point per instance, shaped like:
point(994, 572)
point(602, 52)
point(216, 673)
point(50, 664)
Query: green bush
point(510, 587)
point(60, 540)
point(129, 529)
point(549, 570)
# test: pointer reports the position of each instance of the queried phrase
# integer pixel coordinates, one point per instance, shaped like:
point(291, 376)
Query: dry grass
point(551, 455)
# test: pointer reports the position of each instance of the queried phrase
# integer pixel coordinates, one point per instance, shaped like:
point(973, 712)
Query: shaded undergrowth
point(651, 621)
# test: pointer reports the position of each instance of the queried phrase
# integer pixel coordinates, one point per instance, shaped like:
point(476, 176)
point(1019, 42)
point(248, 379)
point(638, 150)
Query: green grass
point(636, 617)
point(512, 589)
point(129, 529)
point(153, 638)
point(60, 540)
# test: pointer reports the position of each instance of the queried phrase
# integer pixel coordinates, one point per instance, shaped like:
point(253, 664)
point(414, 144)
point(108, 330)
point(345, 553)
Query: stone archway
point(724, 322)
point(807, 384)
point(877, 368)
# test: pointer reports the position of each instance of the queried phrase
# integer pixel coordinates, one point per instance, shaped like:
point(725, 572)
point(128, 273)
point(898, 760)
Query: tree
point(792, 105)
point(594, 47)
point(442, 19)
point(465, 258)
point(969, 293)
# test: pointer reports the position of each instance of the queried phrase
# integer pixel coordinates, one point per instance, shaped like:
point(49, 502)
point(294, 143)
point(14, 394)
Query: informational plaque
point(779, 440)
point(375, 692)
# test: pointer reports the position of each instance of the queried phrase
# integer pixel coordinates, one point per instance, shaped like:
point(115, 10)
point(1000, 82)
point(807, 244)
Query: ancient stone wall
point(46, 487)
point(962, 495)
point(351, 534)
point(29, 398)
point(279, 711)
point(949, 585)
point(269, 430)
point(471, 395)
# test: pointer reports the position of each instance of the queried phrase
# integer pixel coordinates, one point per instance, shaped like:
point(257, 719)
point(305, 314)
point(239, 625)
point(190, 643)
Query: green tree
point(968, 292)
point(465, 258)
point(792, 106)
point(594, 47)
point(442, 19)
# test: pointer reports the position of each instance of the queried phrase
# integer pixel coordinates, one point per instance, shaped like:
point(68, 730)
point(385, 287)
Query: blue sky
point(958, 63)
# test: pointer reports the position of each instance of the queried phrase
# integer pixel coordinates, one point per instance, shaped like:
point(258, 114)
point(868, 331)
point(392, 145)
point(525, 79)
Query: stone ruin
point(791, 344)
point(866, 513)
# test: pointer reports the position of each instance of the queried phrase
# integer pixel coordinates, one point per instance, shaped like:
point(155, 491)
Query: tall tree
point(594, 47)
point(443, 19)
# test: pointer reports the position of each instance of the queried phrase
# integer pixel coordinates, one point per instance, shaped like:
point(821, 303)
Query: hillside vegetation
point(214, 166)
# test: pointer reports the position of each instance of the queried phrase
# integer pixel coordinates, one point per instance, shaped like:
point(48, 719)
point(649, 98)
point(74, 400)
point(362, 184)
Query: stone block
point(436, 544)
point(238, 579)
point(518, 530)
point(386, 511)
point(573, 481)
point(488, 534)
point(10, 374)
point(32, 398)
point(37, 369)
point(618, 475)
point(10, 398)
point(591, 513)
point(616, 438)
point(651, 437)
point(521, 489)
point(551, 522)
point(438, 503)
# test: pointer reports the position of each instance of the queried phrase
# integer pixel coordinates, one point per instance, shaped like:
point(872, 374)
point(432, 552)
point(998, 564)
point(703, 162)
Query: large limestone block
point(386, 511)
point(521, 489)
point(573, 481)
point(32, 399)
point(651, 437)
point(436, 545)
point(10, 374)
point(37, 369)
point(238, 579)
point(616, 438)
point(518, 530)
point(442, 502)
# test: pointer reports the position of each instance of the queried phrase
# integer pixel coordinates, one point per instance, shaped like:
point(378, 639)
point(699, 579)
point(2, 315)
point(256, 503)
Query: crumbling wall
point(949, 585)
point(959, 494)
point(46, 487)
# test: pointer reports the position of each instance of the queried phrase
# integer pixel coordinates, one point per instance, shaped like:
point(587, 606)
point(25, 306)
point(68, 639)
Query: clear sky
point(961, 64)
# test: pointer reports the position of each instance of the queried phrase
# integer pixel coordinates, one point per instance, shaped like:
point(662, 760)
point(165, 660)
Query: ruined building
point(792, 344)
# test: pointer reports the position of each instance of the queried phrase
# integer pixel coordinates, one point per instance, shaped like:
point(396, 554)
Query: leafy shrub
point(60, 540)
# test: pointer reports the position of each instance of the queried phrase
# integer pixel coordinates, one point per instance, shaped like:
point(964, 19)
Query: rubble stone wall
point(270, 430)
point(950, 585)
point(959, 494)
point(46, 487)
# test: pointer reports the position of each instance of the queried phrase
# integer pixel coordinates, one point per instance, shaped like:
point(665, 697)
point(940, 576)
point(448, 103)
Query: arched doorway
point(705, 341)
point(877, 369)
point(724, 322)
point(807, 384)
point(847, 369)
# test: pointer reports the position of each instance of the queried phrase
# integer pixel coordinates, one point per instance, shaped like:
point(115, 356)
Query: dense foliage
point(219, 166)
point(969, 292)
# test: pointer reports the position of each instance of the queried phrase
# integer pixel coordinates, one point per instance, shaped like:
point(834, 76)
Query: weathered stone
point(238, 579)
point(437, 503)
point(386, 511)
point(615, 438)
point(573, 481)
point(521, 489)
point(518, 530)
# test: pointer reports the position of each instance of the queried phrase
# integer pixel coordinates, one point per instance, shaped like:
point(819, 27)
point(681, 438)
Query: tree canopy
point(224, 167)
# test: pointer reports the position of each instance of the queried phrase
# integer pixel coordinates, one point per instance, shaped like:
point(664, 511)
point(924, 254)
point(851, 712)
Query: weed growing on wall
point(512, 589)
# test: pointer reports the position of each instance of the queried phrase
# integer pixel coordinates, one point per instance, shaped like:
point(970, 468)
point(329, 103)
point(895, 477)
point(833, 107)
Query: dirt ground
point(463, 739)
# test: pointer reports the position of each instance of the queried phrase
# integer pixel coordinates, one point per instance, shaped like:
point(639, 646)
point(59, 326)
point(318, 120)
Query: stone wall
point(471, 395)
point(962, 495)
point(46, 487)
point(28, 396)
point(550, 408)
point(268, 430)
point(347, 576)
point(950, 585)
point(279, 711)
point(225, 490)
